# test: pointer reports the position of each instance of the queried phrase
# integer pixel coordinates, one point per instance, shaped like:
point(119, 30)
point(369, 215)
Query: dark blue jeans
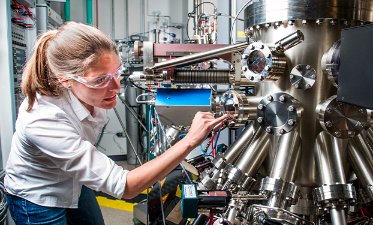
point(25, 212)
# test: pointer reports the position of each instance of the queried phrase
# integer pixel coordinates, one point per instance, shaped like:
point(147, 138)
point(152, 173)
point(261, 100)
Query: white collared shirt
point(53, 153)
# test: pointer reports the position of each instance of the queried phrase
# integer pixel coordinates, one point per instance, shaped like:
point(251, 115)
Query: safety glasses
point(101, 81)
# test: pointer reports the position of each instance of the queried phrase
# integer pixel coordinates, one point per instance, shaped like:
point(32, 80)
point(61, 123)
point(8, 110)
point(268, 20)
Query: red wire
point(211, 218)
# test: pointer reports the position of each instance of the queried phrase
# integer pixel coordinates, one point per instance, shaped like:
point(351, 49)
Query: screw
point(308, 67)
point(291, 76)
point(269, 129)
point(313, 76)
point(282, 98)
point(260, 119)
point(260, 106)
point(328, 124)
point(282, 131)
point(351, 133)
point(291, 122)
point(269, 98)
point(291, 108)
point(337, 133)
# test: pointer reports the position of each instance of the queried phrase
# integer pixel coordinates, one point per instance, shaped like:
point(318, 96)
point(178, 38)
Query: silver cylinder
point(201, 76)
point(328, 160)
point(240, 143)
point(361, 159)
point(251, 158)
point(338, 216)
point(287, 157)
point(197, 57)
point(370, 136)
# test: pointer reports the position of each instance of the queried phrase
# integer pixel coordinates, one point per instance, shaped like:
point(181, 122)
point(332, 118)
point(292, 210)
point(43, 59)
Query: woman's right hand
point(202, 124)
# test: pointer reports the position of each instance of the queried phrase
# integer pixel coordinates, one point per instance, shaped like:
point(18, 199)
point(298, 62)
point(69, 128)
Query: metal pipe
point(254, 155)
point(370, 136)
point(328, 159)
point(197, 57)
point(361, 160)
point(338, 216)
point(289, 41)
point(287, 157)
point(240, 143)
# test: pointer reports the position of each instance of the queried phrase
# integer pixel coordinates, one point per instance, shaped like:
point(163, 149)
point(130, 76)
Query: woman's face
point(107, 63)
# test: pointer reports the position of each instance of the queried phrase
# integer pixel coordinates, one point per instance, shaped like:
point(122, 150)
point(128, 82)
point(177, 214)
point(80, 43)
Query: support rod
point(287, 157)
point(361, 160)
point(197, 57)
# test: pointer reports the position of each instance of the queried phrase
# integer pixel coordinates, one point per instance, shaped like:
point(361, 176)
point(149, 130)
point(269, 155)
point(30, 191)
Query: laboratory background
point(295, 76)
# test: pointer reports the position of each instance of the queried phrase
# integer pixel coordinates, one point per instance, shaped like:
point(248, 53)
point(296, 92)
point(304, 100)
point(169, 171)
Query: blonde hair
point(64, 52)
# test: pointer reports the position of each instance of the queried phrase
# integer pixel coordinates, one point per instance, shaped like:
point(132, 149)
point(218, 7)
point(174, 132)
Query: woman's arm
point(144, 176)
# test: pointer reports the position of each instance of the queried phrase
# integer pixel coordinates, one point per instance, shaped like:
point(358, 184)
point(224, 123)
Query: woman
point(70, 81)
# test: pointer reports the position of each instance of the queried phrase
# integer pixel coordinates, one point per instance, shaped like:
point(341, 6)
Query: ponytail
point(37, 77)
point(64, 52)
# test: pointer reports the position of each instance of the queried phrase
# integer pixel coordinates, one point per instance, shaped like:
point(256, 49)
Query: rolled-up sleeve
point(62, 146)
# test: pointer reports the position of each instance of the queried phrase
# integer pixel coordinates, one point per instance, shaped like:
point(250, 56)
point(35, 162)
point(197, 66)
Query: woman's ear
point(66, 83)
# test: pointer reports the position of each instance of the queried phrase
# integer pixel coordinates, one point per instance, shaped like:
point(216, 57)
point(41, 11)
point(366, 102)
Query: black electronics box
point(355, 80)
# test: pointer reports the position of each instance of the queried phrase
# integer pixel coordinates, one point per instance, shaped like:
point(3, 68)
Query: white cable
point(235, 18)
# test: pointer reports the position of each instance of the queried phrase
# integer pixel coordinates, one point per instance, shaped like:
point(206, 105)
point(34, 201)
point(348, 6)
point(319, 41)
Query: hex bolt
point(291, 122)
point(308, 67)
point(282, 131)
point(291, 76)
point(337, 133)
point(269, 129)
point(291, 108)
point(313, 76)
point(282, 98)
point(260, 119)
point(260, 106)
point(328, 124)
point(351, 134)
point(270, 98)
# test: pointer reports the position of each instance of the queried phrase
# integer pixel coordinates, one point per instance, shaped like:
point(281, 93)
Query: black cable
point(135, 85)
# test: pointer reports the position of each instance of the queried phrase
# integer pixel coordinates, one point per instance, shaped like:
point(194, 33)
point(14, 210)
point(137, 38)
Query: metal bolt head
point(291, 76)
point(337, 133)
point(260, 106)
point(313, 76)
point(308, 85)
point(282, 98)
point(298, 67)
point(269, 129)
point(260, 119)
point(291, 108)
point(282, 131)
point(308, 67)
point(291, 122)
point(328, 124)
point(269, 98)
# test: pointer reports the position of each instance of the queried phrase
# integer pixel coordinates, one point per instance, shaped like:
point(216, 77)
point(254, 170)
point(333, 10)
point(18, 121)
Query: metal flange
point(303, 76)
point(235, 104)
point(256, 62)
point(278, 113)
point(342, 120)
point(334, 194)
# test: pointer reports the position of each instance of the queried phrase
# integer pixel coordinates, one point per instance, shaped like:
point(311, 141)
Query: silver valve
point(289, 41)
